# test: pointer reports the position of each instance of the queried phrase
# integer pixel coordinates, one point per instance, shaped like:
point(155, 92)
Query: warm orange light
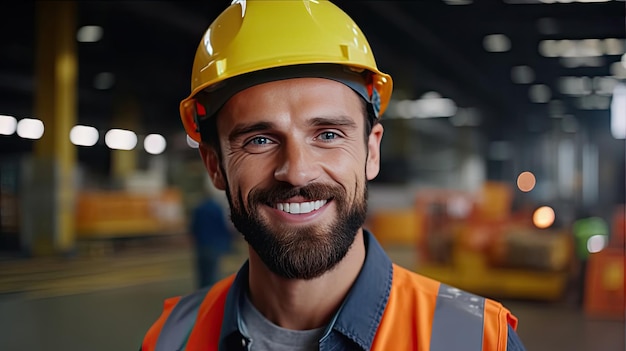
point(526, 181)
point(543, 217)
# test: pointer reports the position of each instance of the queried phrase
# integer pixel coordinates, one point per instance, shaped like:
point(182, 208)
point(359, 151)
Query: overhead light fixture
point(613, 46)
point(496, 43)
point(84, 135)
point(120, 139)
point(89, 34)
point(539, 93)
point(154, 144)
point(618, 70)
point(577, 86)
point(8, 125)
point(618, 112)
point(30, 128)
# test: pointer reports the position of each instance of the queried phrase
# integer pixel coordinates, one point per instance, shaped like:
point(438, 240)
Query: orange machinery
point(110, 214)
point(606, 275)
point(477, 243)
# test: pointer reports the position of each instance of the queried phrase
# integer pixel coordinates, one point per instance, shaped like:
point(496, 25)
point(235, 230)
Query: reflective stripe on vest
point(458, 320)
point(180, 322)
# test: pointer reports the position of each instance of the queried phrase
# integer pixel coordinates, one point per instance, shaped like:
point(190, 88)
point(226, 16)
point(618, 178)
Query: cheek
point(246, 173)
point(347, 169)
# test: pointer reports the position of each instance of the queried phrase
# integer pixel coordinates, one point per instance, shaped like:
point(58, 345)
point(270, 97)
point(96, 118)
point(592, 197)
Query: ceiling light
point(618, 70)
point(89, 34)
point(548, 48)
point(8, 125)
point(120, 139)
point(154, 144)
point(618, 112)
point(29, 128)
point(84, 135)
point(613, 46)
point(572, 62)
point(539, 93)
point(575, 85)
point(604, 85)
point(594, 102)
point(497, 43)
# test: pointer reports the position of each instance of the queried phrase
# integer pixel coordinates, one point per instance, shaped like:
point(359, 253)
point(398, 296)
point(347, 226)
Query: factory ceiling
point(510, 67)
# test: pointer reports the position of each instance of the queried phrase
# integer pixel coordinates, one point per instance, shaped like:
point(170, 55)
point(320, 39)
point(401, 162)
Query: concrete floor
point(108, 300)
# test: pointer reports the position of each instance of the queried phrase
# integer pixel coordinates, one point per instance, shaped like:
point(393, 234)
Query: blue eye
point(260, 141)
point(328, 136)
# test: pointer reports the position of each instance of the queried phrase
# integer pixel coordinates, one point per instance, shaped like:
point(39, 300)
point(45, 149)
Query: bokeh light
point(154, 144)
point(8, 125)
point(120, 139)
point(596, 243)
point(543, 217)
point(526, 181)
point(84, 135)
point(29, 128)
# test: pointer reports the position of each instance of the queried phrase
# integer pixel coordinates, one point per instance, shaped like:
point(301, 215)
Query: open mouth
point(300, 207)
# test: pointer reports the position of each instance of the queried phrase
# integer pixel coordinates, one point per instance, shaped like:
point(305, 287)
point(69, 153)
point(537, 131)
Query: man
point(285, 101)
point(211, 237)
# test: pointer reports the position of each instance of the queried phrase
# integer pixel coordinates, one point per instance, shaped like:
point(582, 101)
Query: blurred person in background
point(211, 237)
point(591, 233)
point(286, 101)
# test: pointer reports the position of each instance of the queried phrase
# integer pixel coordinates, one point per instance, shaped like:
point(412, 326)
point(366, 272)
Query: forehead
point(296, 97)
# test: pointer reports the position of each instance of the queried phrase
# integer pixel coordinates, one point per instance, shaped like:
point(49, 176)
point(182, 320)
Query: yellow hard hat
point(256, 35)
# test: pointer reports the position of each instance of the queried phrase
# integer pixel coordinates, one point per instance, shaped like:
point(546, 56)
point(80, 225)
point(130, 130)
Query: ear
point(372, 166)
point(212, 163)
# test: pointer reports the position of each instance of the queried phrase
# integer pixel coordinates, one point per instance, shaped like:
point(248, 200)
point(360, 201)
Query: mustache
point(280, 192)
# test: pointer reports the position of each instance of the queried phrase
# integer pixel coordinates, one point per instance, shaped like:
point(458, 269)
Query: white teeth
point(301, 207)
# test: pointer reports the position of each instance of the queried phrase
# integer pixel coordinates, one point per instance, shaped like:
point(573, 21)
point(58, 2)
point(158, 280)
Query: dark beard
point(306, 252)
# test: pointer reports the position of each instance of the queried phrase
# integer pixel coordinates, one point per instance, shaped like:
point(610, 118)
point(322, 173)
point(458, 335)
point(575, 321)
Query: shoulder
point(445, 306)
point(182, 310)
point(408, 281)
point(411, 286)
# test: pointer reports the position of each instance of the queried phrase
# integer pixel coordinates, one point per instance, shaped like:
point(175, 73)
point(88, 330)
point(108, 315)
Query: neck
point(304, 304)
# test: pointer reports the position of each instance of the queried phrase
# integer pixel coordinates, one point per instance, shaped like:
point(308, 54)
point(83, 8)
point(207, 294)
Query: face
point(295, 165)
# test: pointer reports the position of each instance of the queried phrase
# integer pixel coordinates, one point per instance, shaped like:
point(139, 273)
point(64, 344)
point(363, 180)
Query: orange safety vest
point(421, 314)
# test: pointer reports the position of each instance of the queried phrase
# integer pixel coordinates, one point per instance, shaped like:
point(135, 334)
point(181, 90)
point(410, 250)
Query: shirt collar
point(362, 310)
point(371, 289)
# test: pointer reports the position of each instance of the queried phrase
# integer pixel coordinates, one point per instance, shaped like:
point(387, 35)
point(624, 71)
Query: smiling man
point(286, 101)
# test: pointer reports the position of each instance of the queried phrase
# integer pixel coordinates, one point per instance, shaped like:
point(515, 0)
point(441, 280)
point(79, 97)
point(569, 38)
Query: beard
point(302, 252)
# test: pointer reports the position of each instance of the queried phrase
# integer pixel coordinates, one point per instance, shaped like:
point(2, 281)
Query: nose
point(298, 165)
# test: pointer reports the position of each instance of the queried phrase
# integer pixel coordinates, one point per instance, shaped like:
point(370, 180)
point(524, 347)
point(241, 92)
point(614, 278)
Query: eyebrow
point(247, 128)
point(333, 121)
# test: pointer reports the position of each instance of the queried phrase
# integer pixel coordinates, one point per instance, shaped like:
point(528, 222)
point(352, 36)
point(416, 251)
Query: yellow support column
point(124, 162)
point(51, 171)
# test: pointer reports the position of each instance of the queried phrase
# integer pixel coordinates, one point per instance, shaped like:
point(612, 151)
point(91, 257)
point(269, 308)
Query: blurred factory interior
point(503, 162)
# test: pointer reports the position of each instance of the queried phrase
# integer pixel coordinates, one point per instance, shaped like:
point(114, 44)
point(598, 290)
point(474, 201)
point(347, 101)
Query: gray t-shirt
point(266, 336)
